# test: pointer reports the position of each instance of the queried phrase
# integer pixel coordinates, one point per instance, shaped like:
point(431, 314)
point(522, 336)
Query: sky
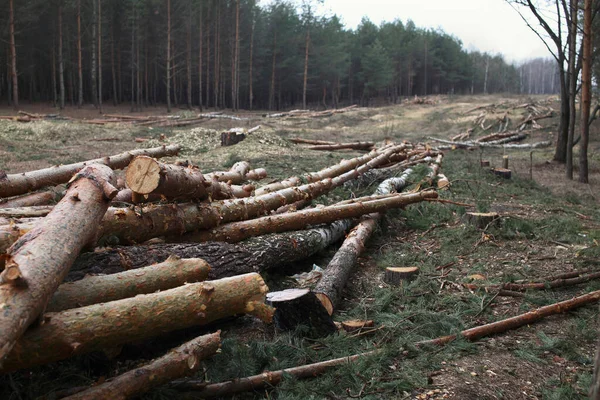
point(492, 26)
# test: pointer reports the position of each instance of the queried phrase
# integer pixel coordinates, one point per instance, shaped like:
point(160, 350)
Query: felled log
point(33, 199)
point(264, 253)
point(342, 146)
point(551, 283)
point(237, 174)
point(16, 184)
point(495, 143)
point(38, 262)
point(396, 275)
point(517, 321)
point(267, 379)
point(300, 307)
point(310, 141)
point(21, 212)
point(495, 136)
point(107, 325)
point(146, 175)
point(125, 225)
point(237, 231)
point(170, 273)
point(177, 363)
point(257, 174)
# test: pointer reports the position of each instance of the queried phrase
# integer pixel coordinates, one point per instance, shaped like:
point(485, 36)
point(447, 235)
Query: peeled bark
point(16, 184)
point(38, 262)
point(177, 363)
point(90, 290)
point(101, 326)
point(258, 254)
point(146, 176)
point(517, 321)
point(34, 199)
point(237, 231)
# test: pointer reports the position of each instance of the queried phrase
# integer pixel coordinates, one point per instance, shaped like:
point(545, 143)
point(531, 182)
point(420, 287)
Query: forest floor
point(549, 225)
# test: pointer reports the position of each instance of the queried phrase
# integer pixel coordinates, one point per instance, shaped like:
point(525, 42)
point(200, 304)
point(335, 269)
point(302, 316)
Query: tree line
point(233, 54)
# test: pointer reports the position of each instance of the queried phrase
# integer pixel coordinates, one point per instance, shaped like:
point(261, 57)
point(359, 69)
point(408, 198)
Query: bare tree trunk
point(586, 97)
point(61, 68)
point(273, 64)
point(572, 73)
point(13, 55)
point(94, 54)
point(236, 84)
point(200, 42)
point(208, 14)
point(100, 56)
point(250, 93)
point(168, 56)
point(54, 84)
point(305, 80)
point(133, 25)
point(138, 65)
point(188, 55)
point(217, 51)
point(79, 61)
point(112, 63)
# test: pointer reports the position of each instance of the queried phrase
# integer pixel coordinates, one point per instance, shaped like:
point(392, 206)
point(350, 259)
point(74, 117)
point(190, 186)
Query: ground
point(549, 225)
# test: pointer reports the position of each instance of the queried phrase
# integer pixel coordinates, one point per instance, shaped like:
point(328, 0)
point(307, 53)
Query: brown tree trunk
point(270, 252)
point(16, 184)
point(112, 64)
point(93, 71)
point(177, 363)
point(250, 93)
point(572, 72)
point(236, 84)
point(200, 43)
point(13, 54)
point(171, 273)
point(79, 62)
point(100, 56)
point(237, 231)
point(34, 199)
point(305, 80)
point(208, 13)
point(586, 96)
point(168, 56)
point(61, 65)
point(37, 263)
point(188, 55)
point(273, 65)
point(108, 325)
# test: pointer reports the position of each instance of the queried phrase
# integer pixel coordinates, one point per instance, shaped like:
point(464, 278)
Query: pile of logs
point(187, 249)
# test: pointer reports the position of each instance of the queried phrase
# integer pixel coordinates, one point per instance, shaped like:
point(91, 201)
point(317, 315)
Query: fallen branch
point(28, 200)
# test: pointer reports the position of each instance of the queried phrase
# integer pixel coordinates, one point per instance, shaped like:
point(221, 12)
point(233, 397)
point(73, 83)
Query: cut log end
point(502, 172)
point(324, 299)
point(11, 274)
point(356, 324)
point(143, 175)
point(396, 275)
point(296, 308)
point(481, 220)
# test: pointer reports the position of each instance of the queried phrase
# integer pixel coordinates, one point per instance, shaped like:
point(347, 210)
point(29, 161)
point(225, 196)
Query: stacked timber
point(210, 236)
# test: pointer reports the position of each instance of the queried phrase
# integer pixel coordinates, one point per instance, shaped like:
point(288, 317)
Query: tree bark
point(177, 363)
point(572, 72)
point(250, 92)
point(171, 273)
point(586, 96)
point(305, 80)
point(168, 56)
point(264, 253)
point(200, 42)
point(237, 231)
point(37, 263)
point(61, 67)
point(100, 55)
point(13, 54)
point(101, 326)
point(16, 184)
point(188, 55)
point(79, 63)
point(34, 199)
point(94, 53)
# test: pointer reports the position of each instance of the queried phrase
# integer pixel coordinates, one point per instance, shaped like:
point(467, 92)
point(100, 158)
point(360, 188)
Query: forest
point(236, 54)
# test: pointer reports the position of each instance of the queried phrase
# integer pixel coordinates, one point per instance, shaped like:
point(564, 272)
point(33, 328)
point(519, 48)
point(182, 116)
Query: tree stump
point(300, 307)
point(505, 162)
point(230, 138)
point(481, 220)
point(502, 172)
point(396, 275)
